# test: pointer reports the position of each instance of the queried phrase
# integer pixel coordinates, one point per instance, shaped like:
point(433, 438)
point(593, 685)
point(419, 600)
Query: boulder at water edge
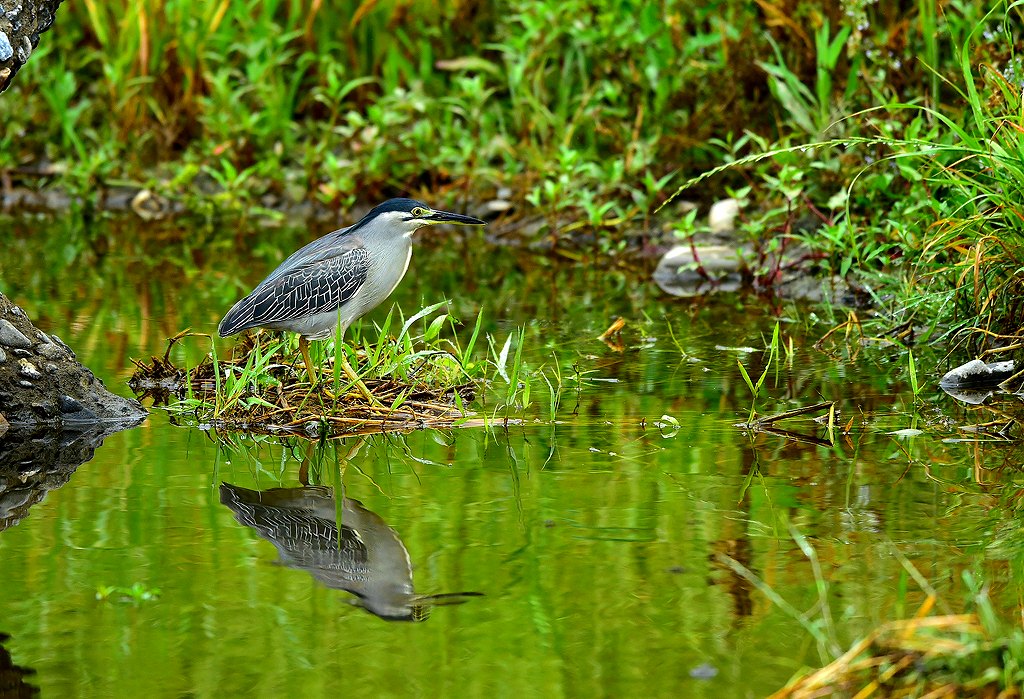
point(41, 381)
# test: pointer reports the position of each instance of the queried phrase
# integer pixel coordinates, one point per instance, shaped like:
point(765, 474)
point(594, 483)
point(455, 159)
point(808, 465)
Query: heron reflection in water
point(367, 559)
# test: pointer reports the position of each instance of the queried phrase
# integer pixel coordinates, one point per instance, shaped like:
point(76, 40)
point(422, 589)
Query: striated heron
point(328, 284)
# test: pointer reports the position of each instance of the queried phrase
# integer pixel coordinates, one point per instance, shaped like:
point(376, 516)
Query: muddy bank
point(41, 381)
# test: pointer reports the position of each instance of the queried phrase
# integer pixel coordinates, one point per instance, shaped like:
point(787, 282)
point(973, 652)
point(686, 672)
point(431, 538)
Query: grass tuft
point(419, 378)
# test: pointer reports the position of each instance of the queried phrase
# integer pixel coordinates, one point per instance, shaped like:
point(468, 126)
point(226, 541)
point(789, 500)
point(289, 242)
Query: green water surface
point(606, 548)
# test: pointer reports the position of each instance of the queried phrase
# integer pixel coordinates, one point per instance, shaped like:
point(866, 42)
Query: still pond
point(594, 552)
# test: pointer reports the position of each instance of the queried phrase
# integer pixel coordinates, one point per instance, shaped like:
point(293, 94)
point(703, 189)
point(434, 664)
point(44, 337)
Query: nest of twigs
point(281, 399)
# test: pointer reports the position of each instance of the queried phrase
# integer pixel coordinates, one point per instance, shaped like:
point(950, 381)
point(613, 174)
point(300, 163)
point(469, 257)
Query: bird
point(350, 549)
point(327, 285)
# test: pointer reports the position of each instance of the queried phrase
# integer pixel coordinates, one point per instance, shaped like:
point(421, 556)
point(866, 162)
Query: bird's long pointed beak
point(455, 219)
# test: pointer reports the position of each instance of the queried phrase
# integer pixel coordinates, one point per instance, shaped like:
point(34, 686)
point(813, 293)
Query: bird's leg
point(304, 348)
point(345, 367)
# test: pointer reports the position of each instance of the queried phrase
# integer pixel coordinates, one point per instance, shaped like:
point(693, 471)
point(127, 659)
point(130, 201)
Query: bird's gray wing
point(305, 540)
point(320, 284)
point(327, 246)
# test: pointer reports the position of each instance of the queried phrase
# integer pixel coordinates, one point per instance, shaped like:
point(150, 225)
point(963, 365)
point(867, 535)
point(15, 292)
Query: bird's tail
point(234, 321)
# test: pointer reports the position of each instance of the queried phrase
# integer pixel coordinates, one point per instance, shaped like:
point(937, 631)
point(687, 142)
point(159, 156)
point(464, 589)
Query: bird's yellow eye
point(419, 212)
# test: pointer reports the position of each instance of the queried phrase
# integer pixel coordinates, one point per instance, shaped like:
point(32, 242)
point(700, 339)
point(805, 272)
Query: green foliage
point(755, 386)
point(588, 109)
point(915, 387)
point(136, 594)
point(866, 138)
point(937, 185)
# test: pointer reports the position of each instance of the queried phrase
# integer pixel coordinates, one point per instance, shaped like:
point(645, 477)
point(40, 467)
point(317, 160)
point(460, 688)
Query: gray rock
point(60, 343)
point(714, 268)
point(3, 355)
point(977, 374)
point(24, 50)
point(50, 350)
point(68, 404)
point(975, 382)
point(722, 216)
point(21, 353)
point(497, 206)
point(6, 50)
point(10, 336)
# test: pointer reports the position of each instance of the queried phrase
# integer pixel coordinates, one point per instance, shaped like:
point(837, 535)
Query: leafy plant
point(136, 594)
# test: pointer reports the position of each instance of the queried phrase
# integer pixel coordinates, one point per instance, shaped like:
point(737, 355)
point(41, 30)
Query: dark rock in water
point(977, 374)
point(35, 459)
point(62, 391)
point(69, 405)
point(14, 679)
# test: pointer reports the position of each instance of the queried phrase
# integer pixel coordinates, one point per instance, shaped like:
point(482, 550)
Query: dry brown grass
point(916, 657)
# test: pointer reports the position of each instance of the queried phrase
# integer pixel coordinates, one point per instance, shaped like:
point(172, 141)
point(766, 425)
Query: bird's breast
point(386, 272)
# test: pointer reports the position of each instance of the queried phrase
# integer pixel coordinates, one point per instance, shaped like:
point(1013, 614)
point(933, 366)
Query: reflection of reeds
point(935, 656)
point(894, 661)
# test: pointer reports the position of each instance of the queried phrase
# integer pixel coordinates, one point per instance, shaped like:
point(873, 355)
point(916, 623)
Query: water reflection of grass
point(969, 654)
point(135, 593)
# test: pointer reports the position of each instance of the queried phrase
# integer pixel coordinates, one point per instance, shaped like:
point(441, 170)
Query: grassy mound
point(418, 380)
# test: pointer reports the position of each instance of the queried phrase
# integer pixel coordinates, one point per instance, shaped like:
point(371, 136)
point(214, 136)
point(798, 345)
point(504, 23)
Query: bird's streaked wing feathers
point(320, 286)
